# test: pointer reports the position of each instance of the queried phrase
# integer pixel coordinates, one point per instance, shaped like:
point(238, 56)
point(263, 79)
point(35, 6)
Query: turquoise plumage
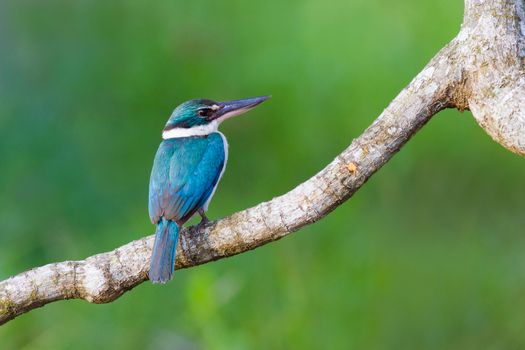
point(187, 168)
point(185, 173)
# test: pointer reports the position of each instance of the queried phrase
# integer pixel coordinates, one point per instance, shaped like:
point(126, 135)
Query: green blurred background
point(430, 254)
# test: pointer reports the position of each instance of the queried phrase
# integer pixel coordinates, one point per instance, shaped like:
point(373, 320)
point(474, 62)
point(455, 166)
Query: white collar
point(200, 130)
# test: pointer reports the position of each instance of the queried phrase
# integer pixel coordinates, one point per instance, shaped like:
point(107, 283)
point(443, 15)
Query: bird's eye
point(205, 112)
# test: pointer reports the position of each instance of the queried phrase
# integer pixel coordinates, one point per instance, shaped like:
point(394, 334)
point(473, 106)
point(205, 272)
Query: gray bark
point(482, 69)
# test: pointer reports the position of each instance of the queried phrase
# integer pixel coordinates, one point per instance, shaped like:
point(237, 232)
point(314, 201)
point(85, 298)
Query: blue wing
point(184, 174)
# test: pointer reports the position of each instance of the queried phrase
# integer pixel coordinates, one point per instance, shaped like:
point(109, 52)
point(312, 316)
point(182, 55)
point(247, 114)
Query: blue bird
point(187, 168)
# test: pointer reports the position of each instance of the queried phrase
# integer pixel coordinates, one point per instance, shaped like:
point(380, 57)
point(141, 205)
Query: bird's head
point(201, 116)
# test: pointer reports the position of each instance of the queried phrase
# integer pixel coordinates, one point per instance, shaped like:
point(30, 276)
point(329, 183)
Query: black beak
point(230, 109)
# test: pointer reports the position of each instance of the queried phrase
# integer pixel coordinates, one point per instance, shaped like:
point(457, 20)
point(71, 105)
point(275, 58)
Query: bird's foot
point(204, 220)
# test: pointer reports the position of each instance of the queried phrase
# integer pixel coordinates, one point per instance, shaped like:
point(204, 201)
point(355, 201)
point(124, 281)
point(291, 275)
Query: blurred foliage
point(428, 255)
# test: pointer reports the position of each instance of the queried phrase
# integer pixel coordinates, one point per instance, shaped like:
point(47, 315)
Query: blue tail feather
point(164, 249)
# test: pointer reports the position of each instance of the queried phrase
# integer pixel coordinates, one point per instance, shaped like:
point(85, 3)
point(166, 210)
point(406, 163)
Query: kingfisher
point(188, 165)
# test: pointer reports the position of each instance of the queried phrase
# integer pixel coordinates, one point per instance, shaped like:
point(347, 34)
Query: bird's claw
point(204, 220)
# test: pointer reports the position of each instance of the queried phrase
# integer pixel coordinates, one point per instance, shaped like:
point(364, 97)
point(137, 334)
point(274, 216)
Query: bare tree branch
point(491, 49)
point(481, 69)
